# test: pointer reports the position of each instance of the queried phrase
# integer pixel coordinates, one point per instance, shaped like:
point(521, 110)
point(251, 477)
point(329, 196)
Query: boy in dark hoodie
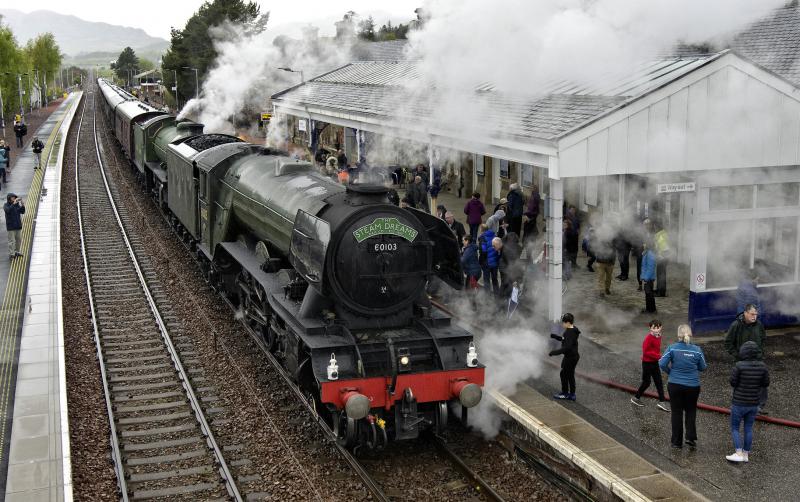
point(569, 349)
point(748, 379)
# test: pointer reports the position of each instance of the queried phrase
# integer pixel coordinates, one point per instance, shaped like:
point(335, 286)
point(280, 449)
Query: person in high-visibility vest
point(663, 255)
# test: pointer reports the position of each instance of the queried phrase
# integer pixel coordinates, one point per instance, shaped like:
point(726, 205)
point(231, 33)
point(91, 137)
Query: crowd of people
point(683, 362)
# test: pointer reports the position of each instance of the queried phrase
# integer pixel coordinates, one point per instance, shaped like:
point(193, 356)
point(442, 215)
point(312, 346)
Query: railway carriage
point(332, 277)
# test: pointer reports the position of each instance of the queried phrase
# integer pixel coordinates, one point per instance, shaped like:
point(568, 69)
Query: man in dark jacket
point(418, 195)
point(532, 214)
point(469, 262)
point(20, 130)
point(515, 206)
point(341, 159)
point(749, 378)
point(455, 225)
point(569, 349)
point(511, 269)
point(37, 146)
point(747, 328)
point(605, 254)
point(14, 209)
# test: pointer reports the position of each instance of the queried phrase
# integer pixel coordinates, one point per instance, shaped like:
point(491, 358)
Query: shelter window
point(775, 250)
point(731, 197)
point(778, 195)
point(730, 258)
point(527, 175)
point(504, 173)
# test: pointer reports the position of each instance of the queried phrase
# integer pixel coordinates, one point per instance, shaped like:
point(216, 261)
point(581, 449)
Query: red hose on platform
point(632, 390)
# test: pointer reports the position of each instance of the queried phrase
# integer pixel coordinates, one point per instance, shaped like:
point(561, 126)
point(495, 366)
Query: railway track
point(162, 445)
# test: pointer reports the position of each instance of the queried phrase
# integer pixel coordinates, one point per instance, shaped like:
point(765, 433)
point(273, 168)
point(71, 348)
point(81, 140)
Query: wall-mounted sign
point(301, 125)
point(675, 187)
point(700, 282)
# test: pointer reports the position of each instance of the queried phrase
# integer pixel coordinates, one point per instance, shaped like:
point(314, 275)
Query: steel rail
point(194, 402)
point(116, 454)
point(481, 485)
point(369, 482)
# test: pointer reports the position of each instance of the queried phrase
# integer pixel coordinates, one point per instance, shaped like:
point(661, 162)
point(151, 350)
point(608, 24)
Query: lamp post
point(196, 81)
point(175, 88)
point(30, 91)
point(302, 78)
point(2, 111)
point(21, 102)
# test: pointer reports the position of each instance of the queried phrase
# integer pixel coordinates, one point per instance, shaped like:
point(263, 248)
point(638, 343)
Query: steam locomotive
point(332, 277)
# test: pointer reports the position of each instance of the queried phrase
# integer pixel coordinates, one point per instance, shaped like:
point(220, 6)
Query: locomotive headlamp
point(403, 360)
point(472, 356)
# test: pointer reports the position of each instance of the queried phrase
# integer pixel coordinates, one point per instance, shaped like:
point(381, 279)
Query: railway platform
point(34, 452)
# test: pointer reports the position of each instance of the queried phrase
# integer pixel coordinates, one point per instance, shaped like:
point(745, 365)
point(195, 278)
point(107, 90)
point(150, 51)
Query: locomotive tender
point(332, 277)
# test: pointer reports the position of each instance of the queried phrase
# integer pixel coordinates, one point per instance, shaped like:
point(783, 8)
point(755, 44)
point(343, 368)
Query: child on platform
point(651, 352)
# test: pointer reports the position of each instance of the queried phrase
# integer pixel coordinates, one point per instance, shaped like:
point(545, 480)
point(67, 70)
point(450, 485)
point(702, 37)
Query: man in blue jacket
point(648, 276)
point(14, 209)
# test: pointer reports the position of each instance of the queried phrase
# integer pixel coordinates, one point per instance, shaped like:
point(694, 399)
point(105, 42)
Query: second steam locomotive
point(332, 277)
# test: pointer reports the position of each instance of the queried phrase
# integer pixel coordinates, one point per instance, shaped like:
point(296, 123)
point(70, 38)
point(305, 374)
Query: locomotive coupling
point(468, 394)
point(472, 356)
point(333, 368)
point(355, 404)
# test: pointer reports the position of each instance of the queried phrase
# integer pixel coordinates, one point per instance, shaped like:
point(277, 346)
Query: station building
point(709, 144)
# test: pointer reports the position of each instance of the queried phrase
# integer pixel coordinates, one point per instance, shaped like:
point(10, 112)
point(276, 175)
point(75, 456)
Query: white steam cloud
point(518, 45)
point(246, 72)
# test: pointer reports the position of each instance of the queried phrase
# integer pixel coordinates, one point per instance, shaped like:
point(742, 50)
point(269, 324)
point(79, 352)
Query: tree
point(389, 32)
point(192, 47)
point(126, 63)
point(366, 29)
point(145, 65)
point(44, 59)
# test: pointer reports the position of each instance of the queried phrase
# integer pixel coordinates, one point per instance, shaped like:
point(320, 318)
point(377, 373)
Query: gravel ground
point(93, 475)
point(769, 475)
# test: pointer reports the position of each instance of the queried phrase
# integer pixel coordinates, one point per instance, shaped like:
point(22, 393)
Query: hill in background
point(83, 42)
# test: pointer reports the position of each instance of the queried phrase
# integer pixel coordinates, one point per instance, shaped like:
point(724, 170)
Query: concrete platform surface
point(608, 462)
point(38, 460)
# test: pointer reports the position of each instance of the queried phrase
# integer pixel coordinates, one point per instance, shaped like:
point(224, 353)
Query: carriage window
point(778, 195)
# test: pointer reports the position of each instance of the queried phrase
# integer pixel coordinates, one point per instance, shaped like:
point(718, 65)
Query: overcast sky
point(157, 16)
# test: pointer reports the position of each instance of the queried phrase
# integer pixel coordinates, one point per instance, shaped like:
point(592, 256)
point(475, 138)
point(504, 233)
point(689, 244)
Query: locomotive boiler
point(333, 278)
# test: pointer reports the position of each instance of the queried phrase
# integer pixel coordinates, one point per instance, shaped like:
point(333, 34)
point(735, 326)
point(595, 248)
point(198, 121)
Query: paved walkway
point(35, 445)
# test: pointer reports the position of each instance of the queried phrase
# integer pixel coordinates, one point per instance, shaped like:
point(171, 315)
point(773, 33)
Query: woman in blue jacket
point(683, 362)
point(490, 260)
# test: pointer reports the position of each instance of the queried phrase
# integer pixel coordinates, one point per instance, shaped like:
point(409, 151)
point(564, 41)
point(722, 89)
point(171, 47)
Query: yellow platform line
point(14, 297)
